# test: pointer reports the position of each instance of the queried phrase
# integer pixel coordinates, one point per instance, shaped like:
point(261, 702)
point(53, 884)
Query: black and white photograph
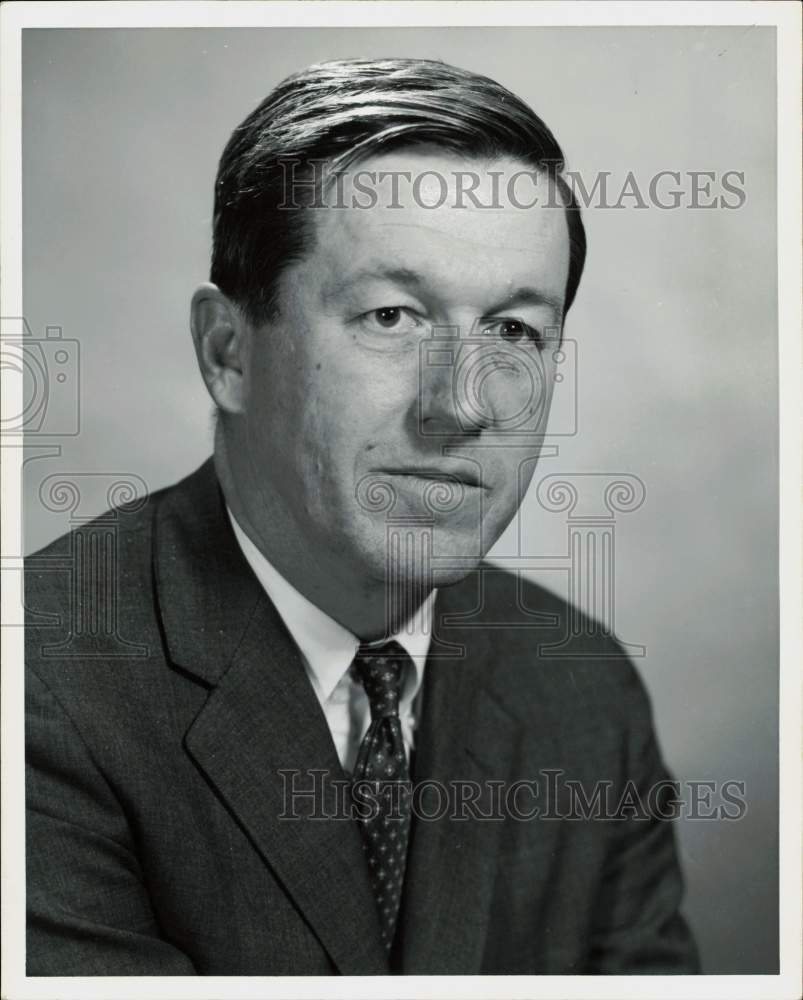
point(401, 499)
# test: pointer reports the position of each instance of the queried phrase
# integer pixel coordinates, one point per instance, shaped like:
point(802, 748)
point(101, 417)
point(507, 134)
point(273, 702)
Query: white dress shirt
point(328, 649)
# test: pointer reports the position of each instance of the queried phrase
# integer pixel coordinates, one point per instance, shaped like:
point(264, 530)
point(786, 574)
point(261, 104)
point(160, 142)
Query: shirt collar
point(327, 646)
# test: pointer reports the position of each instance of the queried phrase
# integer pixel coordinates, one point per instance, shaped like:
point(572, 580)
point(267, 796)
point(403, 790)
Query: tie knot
point(380, 670)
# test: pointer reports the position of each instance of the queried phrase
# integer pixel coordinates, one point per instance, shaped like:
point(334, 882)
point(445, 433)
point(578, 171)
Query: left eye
point(512, 330)
point(393, 318)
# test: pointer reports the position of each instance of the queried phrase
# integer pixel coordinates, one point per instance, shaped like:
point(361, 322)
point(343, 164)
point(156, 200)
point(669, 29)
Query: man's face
point(403, 379)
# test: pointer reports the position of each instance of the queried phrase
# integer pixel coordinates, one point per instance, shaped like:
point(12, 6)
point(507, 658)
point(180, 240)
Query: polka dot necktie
point(381, 780)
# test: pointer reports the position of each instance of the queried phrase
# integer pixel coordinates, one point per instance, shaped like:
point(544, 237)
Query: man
point(325, 750)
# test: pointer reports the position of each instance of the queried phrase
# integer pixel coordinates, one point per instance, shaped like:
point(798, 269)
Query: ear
point(220, 335)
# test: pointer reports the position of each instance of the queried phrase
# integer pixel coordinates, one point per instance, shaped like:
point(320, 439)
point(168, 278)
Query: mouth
point(465, 475)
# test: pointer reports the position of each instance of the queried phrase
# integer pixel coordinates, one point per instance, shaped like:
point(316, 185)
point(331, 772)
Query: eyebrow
point(523, 296)
point(398, 275)
point(527, 296)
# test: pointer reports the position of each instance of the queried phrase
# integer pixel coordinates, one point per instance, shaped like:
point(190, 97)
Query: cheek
point(513, 476)
point(285, 384)
point(328, 440)
point(352, 403)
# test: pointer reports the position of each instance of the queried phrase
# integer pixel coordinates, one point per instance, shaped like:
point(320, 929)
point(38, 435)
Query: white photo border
point(14, 17)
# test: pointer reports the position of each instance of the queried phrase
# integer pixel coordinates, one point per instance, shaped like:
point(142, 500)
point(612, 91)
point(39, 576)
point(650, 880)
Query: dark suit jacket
point(161, 710)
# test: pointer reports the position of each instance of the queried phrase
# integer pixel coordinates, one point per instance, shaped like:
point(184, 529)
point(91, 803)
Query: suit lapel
point(469, 736)
point(261, 719)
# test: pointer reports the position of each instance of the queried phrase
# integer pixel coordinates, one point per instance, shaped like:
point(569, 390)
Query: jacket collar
point(206, 592)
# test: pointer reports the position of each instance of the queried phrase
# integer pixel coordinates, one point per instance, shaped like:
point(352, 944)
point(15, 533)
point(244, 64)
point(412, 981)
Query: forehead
point(471, 228)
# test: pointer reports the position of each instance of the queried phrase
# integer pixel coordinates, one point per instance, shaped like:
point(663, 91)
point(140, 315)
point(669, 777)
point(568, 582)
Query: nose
point(444, 407)
point(470, 384)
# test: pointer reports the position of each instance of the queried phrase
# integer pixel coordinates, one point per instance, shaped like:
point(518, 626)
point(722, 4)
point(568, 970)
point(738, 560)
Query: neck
point(361, 604)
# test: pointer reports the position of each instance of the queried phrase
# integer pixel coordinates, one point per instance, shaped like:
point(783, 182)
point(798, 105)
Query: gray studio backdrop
point(675, 324)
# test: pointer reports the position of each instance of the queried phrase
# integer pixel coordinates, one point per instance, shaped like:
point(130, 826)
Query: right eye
point(390, 319)
point(514, 330)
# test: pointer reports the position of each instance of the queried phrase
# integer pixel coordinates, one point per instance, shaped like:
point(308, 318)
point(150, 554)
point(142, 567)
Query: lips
point(467, 475)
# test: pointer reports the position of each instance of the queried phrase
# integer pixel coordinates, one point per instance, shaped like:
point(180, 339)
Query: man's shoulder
point(127, 523)
point(89, 594)
point(538, 645)
point(521, 610)
point(122, 533)
point(85, 571)
point(94, 629)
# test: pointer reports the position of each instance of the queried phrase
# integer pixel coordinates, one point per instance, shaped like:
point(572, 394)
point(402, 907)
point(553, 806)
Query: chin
point(433, 557)
point(417, 579)
point(420, 555)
